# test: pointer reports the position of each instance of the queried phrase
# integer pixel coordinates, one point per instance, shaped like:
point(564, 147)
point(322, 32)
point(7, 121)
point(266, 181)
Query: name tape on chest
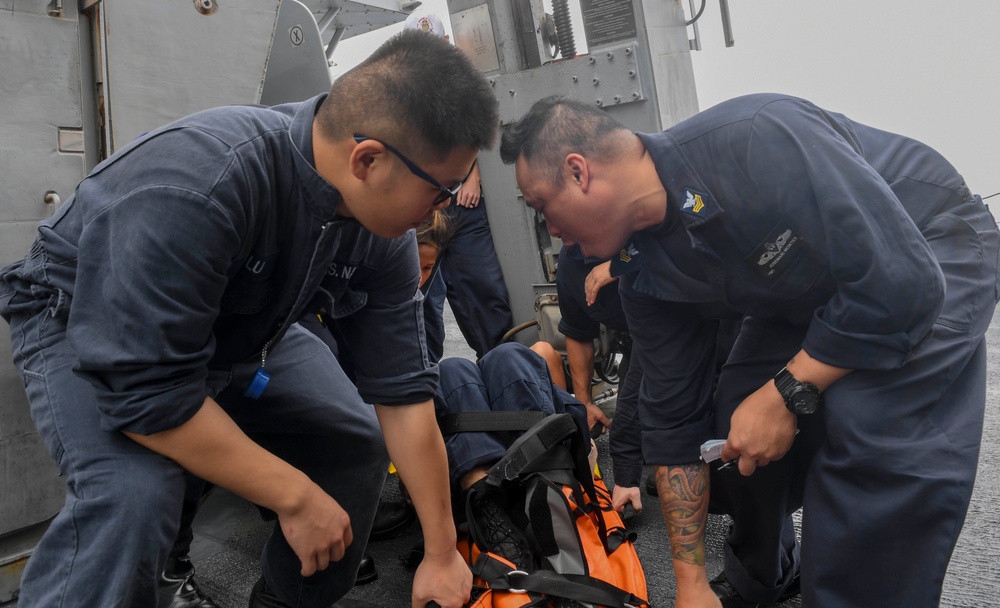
point(776, 252)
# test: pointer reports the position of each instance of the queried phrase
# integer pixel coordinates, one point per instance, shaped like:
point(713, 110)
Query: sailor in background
point(468, 272)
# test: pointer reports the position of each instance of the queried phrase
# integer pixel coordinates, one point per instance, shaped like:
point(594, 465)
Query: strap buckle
point(512, 589)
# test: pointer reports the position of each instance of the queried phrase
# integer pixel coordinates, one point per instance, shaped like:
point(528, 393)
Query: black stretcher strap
point(577, 587)
point(463, 422)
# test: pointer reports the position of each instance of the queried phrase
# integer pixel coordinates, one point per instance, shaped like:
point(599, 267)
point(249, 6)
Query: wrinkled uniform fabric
point(866, 249)
point(178, 266)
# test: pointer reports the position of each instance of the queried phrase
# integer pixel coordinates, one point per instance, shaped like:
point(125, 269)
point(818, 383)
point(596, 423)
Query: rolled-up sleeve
point(889, 287)
point(151, 271)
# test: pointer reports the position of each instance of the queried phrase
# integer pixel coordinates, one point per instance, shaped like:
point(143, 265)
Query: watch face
point(805, 402)
point(801, 398)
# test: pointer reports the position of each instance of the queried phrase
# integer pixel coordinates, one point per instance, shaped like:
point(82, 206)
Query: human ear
point(579, 171)
point(363, 158)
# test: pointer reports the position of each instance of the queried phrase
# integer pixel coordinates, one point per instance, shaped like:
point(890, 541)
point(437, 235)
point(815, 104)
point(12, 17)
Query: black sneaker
point(495, 532)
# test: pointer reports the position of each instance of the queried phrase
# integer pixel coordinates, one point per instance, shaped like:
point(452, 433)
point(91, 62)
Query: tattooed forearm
point(683, 491)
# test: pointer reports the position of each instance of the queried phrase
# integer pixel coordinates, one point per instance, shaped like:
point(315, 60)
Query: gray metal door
point(41, 160)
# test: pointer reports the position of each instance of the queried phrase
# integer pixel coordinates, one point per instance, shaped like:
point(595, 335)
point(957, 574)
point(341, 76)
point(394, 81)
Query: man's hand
point(598, 278)
point(211, 446)
point(468, 196)
point(622, 495)
point(414, 441)
point(596, 416)
point(761, 430)
point(442, 578)
point(318, 530)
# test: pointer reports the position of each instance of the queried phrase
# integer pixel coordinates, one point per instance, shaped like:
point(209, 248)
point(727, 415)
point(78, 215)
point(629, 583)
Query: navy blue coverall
point(866, 249)
point(178, 266)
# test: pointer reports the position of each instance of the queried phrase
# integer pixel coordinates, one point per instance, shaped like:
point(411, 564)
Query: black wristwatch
point(801, 398)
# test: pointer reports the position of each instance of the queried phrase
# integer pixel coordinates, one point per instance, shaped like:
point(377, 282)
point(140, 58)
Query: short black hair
point(417, 92)
point(556, 126)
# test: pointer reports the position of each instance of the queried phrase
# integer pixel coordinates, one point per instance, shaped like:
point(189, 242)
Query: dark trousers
point(884, 471)
point(511, 377)
point(195, 489)
point(468, 273)
point(108, 544)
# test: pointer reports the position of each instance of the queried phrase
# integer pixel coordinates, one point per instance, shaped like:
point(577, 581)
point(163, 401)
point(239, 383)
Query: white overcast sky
point(925, 68)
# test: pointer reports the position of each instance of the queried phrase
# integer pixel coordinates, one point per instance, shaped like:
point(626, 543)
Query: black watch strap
point(784, 381)
point(801, 398)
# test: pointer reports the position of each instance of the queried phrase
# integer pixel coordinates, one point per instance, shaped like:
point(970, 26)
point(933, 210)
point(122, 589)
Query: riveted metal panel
point(640, 74)
point(606, 78)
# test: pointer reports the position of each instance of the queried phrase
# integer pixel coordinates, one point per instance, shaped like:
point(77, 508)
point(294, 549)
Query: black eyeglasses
point(446, 193)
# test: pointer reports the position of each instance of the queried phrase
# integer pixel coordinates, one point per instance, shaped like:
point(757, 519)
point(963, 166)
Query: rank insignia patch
point(627, 253)
point(693, 203)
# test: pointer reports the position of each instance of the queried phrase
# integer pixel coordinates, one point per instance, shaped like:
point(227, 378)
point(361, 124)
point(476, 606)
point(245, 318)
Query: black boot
point(390, 518)
point(651, 488)
point(178, 588)
point(367, 573)
point(261, 597)
point(496, 532)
